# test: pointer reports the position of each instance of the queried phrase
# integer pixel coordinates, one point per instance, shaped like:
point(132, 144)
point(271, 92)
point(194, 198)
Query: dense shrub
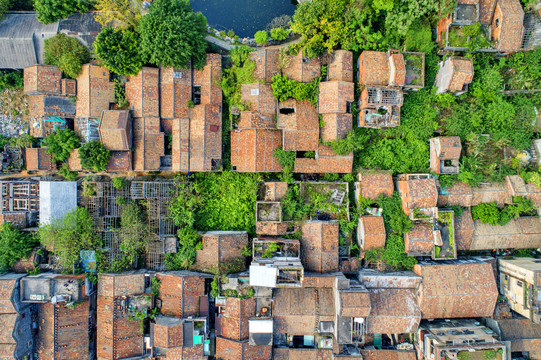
point(50, 11)
point(61, 143)
point(67, 53)
point(118, 51)
point(284, 88)
point(94, 156)
point(14, 245)
point(11, 80)
point(261, 37)
point(279, 34)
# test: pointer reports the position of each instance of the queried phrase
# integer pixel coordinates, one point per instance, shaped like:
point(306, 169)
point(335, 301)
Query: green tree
point(279, 34)
point(67, 236)
point(118, 51)
point(487, 213)
point(173, 35)
point(67, 173)
point(11, 79)
point(125, 14)
point(14, 245)
point(67, 53)
point(119, 182)
point(94, 156)
point(261, 37)
point(61, 143)
point(133, 233)
point(50, 11)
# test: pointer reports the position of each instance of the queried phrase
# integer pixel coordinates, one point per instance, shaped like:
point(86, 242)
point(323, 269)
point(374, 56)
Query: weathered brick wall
point(256, 352)
point(104, 324)
point(228, 349)
point(128, 338)
point(72, 335)
point(45, 339)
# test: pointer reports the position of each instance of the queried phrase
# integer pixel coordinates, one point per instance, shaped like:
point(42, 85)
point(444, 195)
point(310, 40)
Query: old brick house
point(221, 248)
point(19, 203)
point(371, 185)
point(379, 106)
point(419, 196)
point(371, 232)
point(454, 75)
point(319, 246)
point(37, 159)
point(444, 154)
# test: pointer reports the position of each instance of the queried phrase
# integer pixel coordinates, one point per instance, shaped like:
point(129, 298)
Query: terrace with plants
point(445, 224)
point(275, 248)
point(467, 37)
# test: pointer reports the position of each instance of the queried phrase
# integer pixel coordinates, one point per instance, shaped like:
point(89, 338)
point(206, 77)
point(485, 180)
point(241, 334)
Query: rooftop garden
point(470, 37)
point(445, 223)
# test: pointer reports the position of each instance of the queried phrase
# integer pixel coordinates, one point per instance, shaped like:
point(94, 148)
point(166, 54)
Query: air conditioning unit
point(37, 297)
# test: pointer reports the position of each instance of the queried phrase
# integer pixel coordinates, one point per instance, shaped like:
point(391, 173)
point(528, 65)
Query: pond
point(245, 17)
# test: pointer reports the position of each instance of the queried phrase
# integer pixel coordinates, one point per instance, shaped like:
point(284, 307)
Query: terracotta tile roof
point(254, 120)
point(319, 246)
point(303, 354)
point(355, 303)
point(227, 349)
point(372, 184)
point(486, 193)
point(511, 20)
point(37, 159)
point(486, 10)
point(148, 144)
point(270, 228)
point(336, 126)
point(418, 193)
point(252, 150)
point(454, 73)
point(300, 127)
point(115, 130)
point(120, 161)
point(168, 332)
point(459, 194)
point(143, 93)
point(94, 91)
point(275, 190)
point(419, 241)
point(517, 187)
point(42, 79)
point(373, 233)
point(207, 79)
point(521, 233)
point(456, 289)
point(294, 309)
point(447, 147)
point(175, 92)
point(341, 66)
point(374, 354)
point(326, 162)
point(302, 69)
point(260, 98)
point(394, 311)
point(374, 68)
point(334, 96)
point(397, 68)
point(234, 321)
point(220, 247)
point(464, 228)
point(266, 63)
point(181, 293)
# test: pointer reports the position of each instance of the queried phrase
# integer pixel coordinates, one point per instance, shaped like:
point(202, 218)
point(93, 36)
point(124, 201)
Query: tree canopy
point(133, 235)
point(118, 51)
point(67, 236)
point(14, 245)
point(50, 11)
point(67, 53)
point(94, 156)
point(125, 14)
point(61, 143)
point(172, 34)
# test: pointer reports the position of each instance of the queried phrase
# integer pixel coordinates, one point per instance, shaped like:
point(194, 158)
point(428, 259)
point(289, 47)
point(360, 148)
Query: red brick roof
point(220, 247)
point(37, 159)
point(252, 150)
point(373, 232)
point(234, 321)
point(119, 161)
point(521, 233)
point(266, 63)
point(326, 162)
point(459, 194)
point(457, 289)
point(372, 184)
point(511, 22)
point(334, 96)
point(464, 228)
point(148, 144)
point(374, 354)
point(393, 311)
point(143, 93)
point(207, 79)
point(319, 246)
point(341, 66)
point(419, 241)
point(447, 147)
point(374, 68)
point(302, 69)
point(94, 91)
point(301, 127)
point(115, 128)
point(74, 162)
point(181, 293)
point(486, 193)
point(42, 79)
point(175, 92)
point(227, 349)
point(336, 126)
point(260, 98)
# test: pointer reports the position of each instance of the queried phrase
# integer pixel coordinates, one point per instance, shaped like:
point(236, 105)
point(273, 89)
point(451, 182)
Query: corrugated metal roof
point(21, 40)
point(56, 198)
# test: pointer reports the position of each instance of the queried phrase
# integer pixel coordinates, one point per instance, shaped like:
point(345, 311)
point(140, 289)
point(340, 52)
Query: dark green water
point(245, 17)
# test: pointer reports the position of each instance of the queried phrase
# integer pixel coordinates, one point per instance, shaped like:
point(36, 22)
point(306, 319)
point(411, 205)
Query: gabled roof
point(37, 159)
point(207, 79)
point(181, 293)
point(115, 130)
point(252, 150)
point(447, 147)
point(300, 127)
point(373, 232)
point(22, 39)
point(422, 192)
point(486, 193)
point(374, 68)
point(205, 137)
point(175, 92)
point(372, 184)
point(419, 241)
point(220, 247)
point(319, 246)
point(521, 233)
point(456, 289)
point(42, 79)
point(143, 93)
point(303, 69)
point(228, 349)
point(234, 321)
point(375, 354)
point(454, 73)
point(94, 91)
point(120, 161)
point(148, 144)
point(458, 194)
point(393, 311)
point(260, 98)
point(334, 96)
point(510, 37)
point(266, 63)
point(326, 161)
point(341, 66)
point(336, 126)
point(464, 228)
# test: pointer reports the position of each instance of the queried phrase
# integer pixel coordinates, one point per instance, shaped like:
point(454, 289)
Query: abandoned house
point(221, 248)
point(371, 185)
point(371, 232)
point(454, 75)
point(319, 246)
point(444, 154)
point(520, 283)
point(419, 196)
point(20, 203)
point(379, 107)
point(37, 159)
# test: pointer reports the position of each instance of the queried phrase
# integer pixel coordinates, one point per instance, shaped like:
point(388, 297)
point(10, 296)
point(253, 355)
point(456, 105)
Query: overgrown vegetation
point(261, 37)
point(67, 53)
point(284, 88)
point(50, 11)
point(61, 143)
point(94, 156)
point(11, 80)
point(241, 72)
point(67, 236)
point(133, 236)
point(14, 245)
point(118, 51)
point(489, 213)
